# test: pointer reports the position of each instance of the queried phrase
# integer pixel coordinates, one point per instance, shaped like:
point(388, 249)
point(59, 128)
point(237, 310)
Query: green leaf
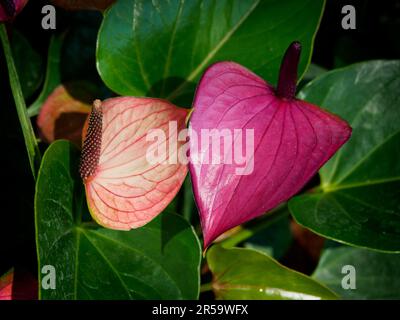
point(28, 62)
point(313, 71)
point(377, 275)
point(159, 48)
point(158, 261)
point(347, 50)
point(274, 241)
point(31, 144)
point(248, 274)
point(358, 201)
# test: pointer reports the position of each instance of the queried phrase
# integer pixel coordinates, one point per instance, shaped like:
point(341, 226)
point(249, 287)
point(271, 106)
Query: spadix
point(123, 189)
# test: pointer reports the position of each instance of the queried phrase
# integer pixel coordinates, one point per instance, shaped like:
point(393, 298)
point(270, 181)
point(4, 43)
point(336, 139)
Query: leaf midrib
point(213, 52)
point(334, 188)
point(78, 230)
point(137, 51)
point(365, 157)
point(142, 254)
point(170, 47)
point(372, 150)
point(110, 265)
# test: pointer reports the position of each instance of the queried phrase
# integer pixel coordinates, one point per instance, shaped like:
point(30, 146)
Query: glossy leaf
point(358, 202)
point(376, 275)
point(274, 240)
point(248, 274)
point(158, 261)
point(184, 37)
point(285, 140)
point(313, 71)
point(64, 113)
point(124, 189)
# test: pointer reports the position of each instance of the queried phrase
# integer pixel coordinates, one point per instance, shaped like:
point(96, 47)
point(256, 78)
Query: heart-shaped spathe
point(292, 140)
point(125, 190)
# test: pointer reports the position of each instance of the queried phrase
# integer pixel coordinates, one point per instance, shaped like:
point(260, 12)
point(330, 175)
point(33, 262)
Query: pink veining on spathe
point(292, 140)
point(123, 189)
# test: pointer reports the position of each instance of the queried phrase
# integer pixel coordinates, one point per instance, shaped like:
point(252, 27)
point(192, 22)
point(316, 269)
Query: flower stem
point(250, 230)
point(26, 125)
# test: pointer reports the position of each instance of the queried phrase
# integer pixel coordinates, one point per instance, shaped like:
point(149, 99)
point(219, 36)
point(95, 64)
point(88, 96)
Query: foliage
point(161, 49)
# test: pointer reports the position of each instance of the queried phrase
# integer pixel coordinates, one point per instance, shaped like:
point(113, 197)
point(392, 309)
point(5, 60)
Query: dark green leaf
point(377, 275)
point(358, 201)
point(28, 62)
point(273, 240)
point(158, 261)
point(189, 208)
point(248, 274)
point(79, 50)
point(313, 71)
point(159, 48)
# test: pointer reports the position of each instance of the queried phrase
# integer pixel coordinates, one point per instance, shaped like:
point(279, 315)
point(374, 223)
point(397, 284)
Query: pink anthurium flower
point(274, 143)
point(125, 187)
point(10, 8)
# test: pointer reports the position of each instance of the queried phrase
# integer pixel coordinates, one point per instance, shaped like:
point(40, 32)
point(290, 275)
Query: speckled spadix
point(123, 189)
point(292, 140)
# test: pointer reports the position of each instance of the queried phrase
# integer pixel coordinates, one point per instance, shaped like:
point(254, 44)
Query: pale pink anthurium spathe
point(292, 139)
point(124, 190)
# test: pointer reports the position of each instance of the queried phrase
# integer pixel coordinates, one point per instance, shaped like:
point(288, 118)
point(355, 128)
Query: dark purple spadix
point(287, 82)
point(283, 142)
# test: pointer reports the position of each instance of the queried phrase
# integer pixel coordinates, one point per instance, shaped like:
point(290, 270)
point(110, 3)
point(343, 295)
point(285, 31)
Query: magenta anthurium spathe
point(10, 8)
point(124, 189)
point(283, 141)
